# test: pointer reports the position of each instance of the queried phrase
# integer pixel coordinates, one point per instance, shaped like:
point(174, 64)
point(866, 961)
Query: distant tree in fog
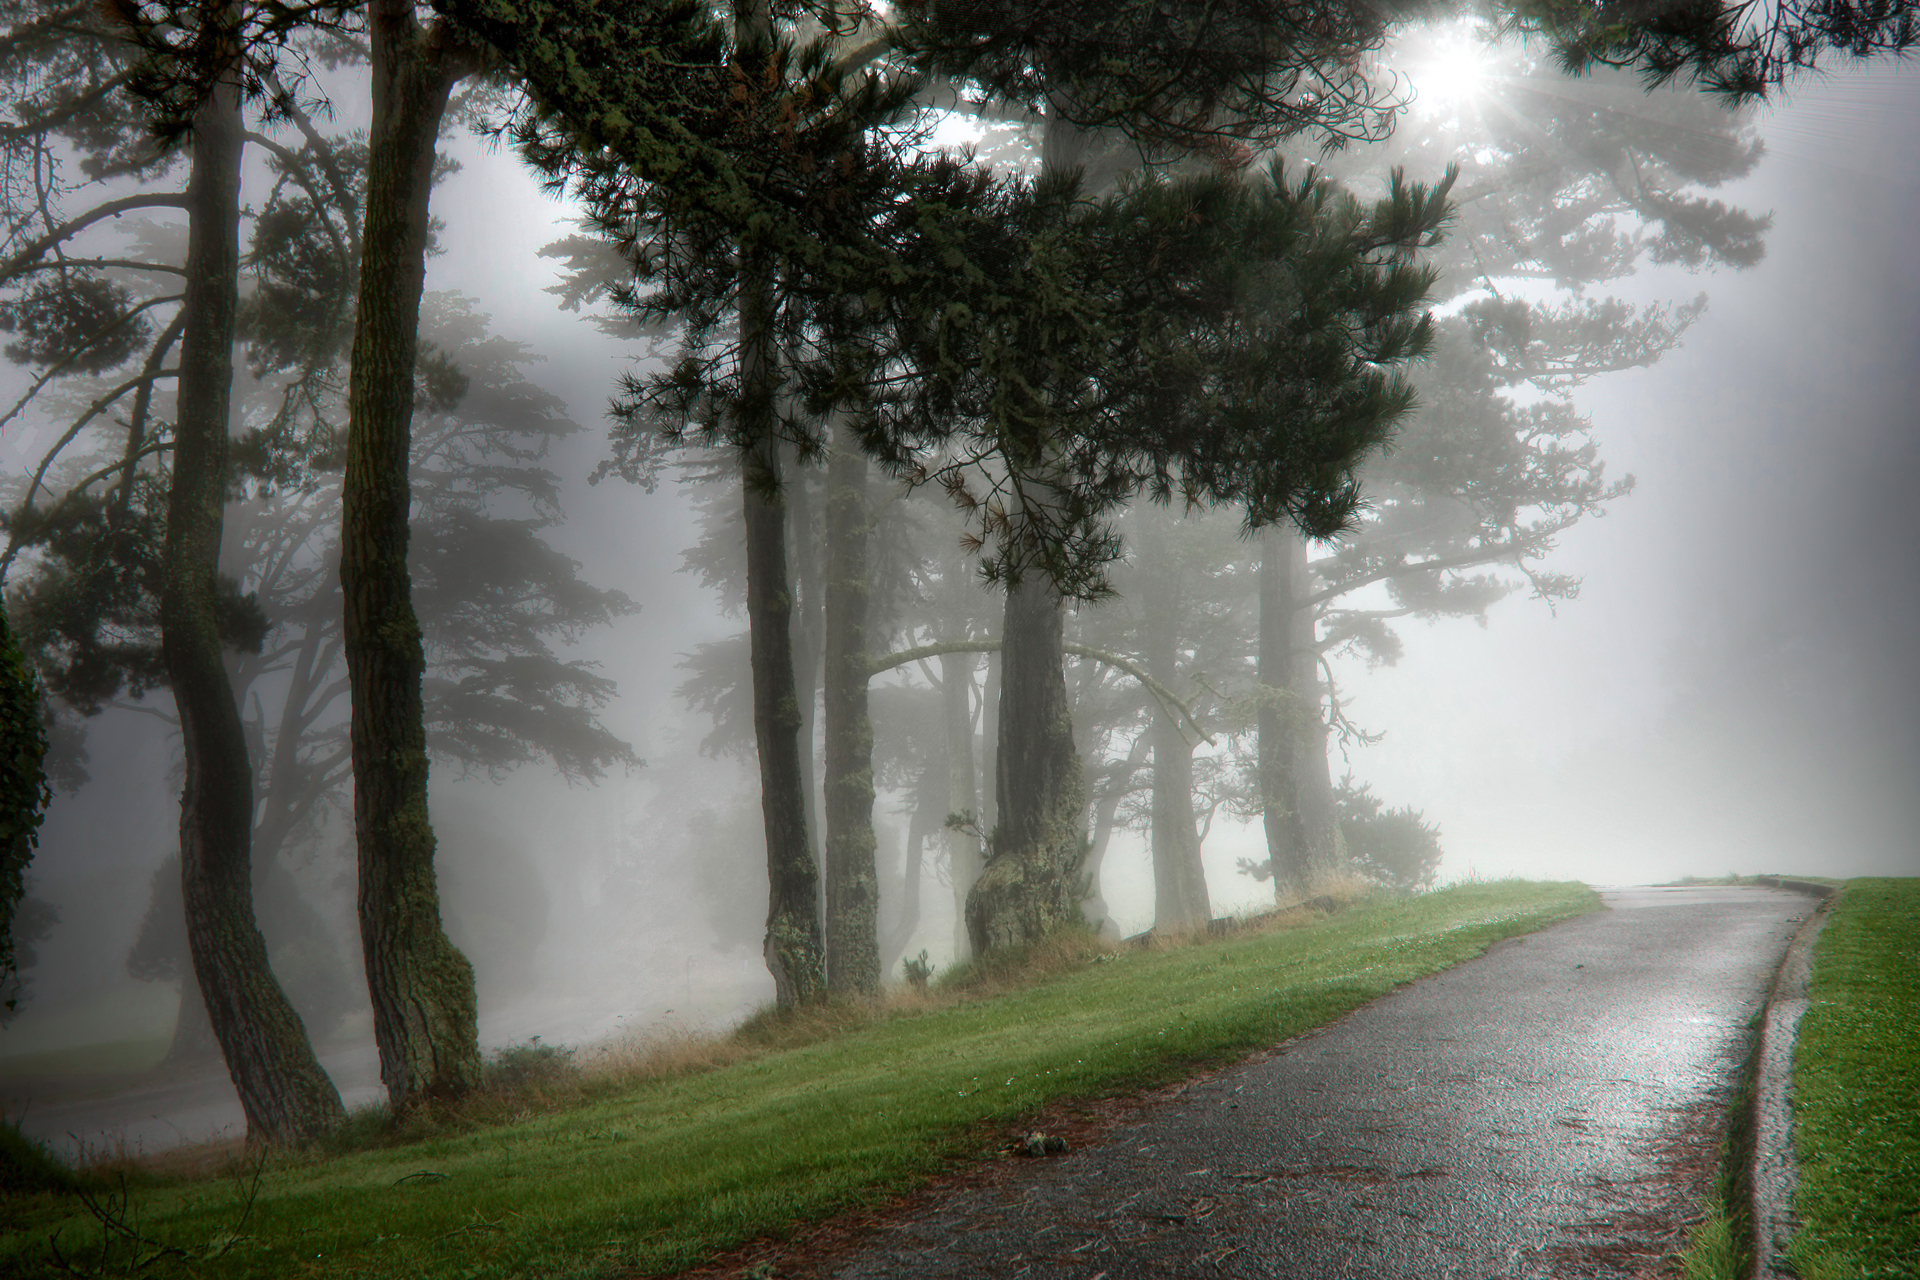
point(1564, 185)
point(1183, 608)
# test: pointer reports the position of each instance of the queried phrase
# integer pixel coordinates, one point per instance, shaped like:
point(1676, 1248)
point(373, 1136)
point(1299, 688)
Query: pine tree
point(1569, 183)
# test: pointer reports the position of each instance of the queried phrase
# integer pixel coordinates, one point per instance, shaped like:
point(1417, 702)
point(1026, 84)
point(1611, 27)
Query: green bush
point(1394, 848)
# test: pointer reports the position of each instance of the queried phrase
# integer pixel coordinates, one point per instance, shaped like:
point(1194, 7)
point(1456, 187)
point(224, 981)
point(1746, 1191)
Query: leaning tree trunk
point(1030, 885)
point(1296, 801)
point(853, 897)
point(424, 1014)
point(286, 1095)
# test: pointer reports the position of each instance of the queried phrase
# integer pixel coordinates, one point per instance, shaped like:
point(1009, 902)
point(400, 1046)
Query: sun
point(1448, 64)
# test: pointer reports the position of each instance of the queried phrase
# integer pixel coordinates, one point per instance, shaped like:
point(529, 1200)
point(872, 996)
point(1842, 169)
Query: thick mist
point(1732, 690)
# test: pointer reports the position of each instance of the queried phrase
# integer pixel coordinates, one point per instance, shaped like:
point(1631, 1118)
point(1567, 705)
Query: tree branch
point(99, 213)
point(1169, 701)
point(1510, 549)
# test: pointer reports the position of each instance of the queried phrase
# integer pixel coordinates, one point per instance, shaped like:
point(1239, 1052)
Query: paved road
point(1552, 1109)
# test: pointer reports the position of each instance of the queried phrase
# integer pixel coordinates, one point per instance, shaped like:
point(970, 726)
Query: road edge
point(1773, 1172)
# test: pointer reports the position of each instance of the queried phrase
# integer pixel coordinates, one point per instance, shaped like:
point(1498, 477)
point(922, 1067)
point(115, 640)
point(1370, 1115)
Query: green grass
point(1856, 1090)
point(665, 1174)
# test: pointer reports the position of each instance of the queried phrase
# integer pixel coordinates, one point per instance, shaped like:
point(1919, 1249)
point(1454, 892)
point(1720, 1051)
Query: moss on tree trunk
point(420, 984)
point(284, 1092)
point(1030, 885)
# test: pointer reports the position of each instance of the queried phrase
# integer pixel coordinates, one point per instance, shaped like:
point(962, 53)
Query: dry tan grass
point(659, 1053)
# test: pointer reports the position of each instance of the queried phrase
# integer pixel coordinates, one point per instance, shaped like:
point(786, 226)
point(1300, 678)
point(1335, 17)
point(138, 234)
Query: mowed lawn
point(1856, 1090)
point(664, 1175)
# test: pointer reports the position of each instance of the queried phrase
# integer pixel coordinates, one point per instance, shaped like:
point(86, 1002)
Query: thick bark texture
point(1295, 792)
point(794, 951)
point(286, 1095)
point(853, 897)
point(795, 956)
point(1031, 883)
point(809, 636)
point(1180, 900)
point(963, 847)
point(421, 986)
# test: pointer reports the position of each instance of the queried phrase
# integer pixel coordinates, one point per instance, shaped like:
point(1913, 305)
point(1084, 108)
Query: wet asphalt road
point(1552, 1109)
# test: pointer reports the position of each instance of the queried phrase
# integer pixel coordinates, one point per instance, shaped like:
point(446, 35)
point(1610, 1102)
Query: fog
point(1732, 691)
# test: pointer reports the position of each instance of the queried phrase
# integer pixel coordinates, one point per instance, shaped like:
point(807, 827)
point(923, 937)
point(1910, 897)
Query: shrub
point(1394, 848)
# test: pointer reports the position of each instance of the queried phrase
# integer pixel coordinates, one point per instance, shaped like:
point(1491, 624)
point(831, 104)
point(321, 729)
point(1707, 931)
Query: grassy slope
point(660, 1177)
point(1856, 1090)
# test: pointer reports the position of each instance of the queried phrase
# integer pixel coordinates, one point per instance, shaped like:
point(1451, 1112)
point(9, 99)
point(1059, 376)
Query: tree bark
point(1180, 900)
point(921, 827)
point(989, 751)
point(809, 634)
point(1105, 813)
point(284, 1092)
point(963, 847)
point(1295, 792)
point(1031, 883)
point(794, 952)
point(853, 899)
point(421, 986)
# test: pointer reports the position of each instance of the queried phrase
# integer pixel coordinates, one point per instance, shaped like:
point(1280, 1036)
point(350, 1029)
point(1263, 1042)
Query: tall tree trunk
point(809, 630)
point(421, 986)
point(794, 951)
point(853, 899)
point(1296, 796)
point(1031, 881)
point(285, 1094)
point(1030, 885)
point(1105, 815)
point(921, 827)
point(989, 752)
point(1180, 898)
point(963, 847)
